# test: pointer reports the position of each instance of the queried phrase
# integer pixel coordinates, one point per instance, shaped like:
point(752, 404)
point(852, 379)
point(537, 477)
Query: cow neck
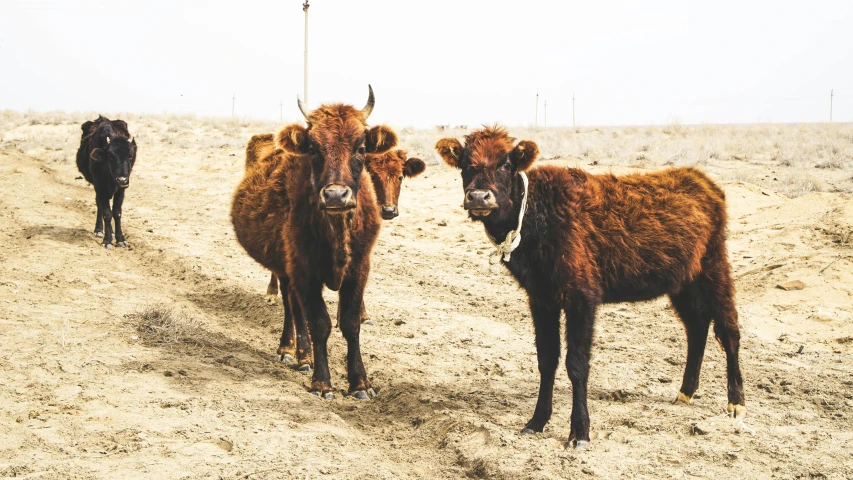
point(338, 234)
point(506, 235)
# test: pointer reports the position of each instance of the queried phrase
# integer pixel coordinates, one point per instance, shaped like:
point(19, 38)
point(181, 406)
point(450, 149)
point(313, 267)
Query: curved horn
point(370, 101)
point(302, 107)
point(108, 140)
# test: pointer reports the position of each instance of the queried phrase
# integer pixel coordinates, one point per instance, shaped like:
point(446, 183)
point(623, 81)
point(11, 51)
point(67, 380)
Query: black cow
point(105, 158)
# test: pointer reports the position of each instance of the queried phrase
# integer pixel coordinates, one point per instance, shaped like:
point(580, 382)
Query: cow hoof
point(361, 395)
point(107, 245)
point(271, 298)
point(527, 431)
point(98, 234)
point(325, 396)
point(368, 322)
point(581, 444)
point(371, 392)
point(286, 358)
point(736, 411)
point(682, 398)
point(304, 368)
point(122, 244)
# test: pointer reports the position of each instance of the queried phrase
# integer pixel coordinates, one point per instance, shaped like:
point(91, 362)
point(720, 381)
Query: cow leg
point(99, 220)
point(107, 216)
point(118, 200)
point(691, 309)
point(313, 309)
point(721, 303)
point(351, 303)
point(546, 322)
point(272, 290)
point(364, 316)
point(304, 354)
point(580, 318)
point(287, 343)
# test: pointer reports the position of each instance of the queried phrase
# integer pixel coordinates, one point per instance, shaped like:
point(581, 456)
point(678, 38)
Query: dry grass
point(162, 326)
point(792, 160)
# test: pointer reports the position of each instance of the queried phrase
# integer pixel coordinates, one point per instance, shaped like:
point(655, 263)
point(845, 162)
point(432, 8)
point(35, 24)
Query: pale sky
point(436, 62)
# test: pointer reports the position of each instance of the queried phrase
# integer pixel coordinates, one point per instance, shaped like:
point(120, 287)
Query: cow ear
point(380, 139)
point(97, 155)
point(524, 154)
point(450, 151)
point(293, 139)
point(413, 167)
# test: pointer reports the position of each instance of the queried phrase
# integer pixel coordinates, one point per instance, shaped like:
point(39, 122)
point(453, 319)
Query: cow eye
point(401, 178)
point(361, 150)
point(507, 166)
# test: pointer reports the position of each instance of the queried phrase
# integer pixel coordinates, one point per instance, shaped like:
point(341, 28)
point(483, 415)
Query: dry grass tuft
point(162, 326)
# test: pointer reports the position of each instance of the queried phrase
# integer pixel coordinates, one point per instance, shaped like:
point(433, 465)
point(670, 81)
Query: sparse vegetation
point(746, 153)
point(162, 326)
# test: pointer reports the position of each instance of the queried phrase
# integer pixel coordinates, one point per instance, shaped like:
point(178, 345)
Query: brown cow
point(386, 170)
point(589, 239)
point(310, 216)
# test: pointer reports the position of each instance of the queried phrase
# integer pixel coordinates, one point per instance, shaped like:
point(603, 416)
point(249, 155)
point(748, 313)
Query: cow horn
point(370, 101)
point(302, 108)
point(108, 140)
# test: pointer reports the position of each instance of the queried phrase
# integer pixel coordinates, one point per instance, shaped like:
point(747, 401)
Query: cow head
point(117, 154)
point(336, 143)
point(387, 171)
point(489, 161)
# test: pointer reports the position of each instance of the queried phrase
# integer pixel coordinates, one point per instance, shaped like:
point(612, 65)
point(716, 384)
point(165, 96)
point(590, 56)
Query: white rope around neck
point(513, 238)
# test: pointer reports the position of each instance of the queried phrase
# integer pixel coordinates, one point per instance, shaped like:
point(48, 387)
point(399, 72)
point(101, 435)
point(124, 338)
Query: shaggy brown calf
point(310, 216)
point(592, 239)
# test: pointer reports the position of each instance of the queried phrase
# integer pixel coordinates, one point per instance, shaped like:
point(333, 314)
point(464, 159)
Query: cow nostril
point(487, 196)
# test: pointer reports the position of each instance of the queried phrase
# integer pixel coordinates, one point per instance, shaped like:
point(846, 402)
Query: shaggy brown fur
point(281, 218)
point(593, 239)
point(386, 170)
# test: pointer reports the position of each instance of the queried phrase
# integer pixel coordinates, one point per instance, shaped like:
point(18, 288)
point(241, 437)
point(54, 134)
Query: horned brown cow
point(585, 239)
point(386, 170)
point(310, 216)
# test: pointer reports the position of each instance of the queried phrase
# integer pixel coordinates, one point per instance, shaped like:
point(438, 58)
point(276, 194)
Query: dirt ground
point(96, 385)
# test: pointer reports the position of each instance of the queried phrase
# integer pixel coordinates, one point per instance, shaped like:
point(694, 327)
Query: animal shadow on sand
point(69, 235)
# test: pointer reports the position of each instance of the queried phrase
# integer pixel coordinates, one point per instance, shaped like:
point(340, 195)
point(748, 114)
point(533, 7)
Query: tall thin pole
point(573, 109)
point(233, 99)
point(546, 114)
point(831, 94)
point(536, 122)
point(305, 87)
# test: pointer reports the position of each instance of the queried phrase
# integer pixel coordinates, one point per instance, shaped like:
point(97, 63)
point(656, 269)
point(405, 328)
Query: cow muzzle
point(336, 198)
point(389, 212)
point(123, 182)
point(480, 202)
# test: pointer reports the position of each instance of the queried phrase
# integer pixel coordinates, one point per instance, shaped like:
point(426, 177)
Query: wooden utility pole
point(831, 94)
point(573, 109)
point(536, 121)
point(305, 86)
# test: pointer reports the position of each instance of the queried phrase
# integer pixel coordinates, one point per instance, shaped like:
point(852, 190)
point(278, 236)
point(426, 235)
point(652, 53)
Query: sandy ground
point(92, 389)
